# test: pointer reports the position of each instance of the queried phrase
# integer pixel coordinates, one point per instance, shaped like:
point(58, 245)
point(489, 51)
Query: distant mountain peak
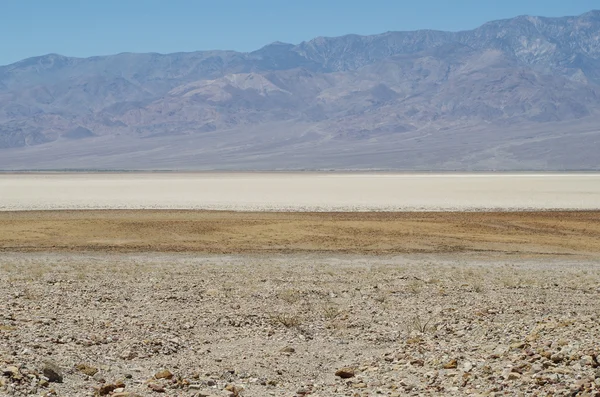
point(52, 57)
point(592, 14)
point(280, 43)
point(274, 46)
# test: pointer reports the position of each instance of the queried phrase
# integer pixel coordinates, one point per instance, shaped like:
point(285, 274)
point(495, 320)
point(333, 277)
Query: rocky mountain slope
point(522, 93)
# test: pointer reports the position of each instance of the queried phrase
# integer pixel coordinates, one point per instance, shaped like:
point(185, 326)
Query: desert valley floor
point(333, 285)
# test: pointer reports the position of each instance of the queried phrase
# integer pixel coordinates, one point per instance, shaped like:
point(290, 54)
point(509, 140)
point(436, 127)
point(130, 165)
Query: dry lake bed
point(303, 284)
point(301, 191)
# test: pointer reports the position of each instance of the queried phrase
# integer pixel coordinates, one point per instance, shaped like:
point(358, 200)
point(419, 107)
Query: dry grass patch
point(260, 232)
point(290, 295)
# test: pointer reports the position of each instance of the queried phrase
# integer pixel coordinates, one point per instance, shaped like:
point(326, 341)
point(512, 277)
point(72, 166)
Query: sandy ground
point(301, 191)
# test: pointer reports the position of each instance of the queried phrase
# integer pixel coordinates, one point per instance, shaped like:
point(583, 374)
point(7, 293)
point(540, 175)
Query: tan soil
point(575, 232)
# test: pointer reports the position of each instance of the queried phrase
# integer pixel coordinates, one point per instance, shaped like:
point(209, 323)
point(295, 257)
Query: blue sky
point(98, 27)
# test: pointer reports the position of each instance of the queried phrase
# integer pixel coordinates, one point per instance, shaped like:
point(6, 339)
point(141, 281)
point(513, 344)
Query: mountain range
point(515, 94)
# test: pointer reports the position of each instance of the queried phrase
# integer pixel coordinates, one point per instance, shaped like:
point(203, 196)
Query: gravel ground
point(296, 325)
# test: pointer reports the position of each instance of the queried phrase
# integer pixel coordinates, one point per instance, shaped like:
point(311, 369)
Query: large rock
point(164, 374)
point(345, 372)
point(452, 364)
point(86, 369)
point(53, 372)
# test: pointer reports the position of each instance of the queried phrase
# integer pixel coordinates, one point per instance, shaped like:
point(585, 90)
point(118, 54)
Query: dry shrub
point(288, 320)
point(289, 295)
point(421, 325)
point(331, 312)
point(415, 286)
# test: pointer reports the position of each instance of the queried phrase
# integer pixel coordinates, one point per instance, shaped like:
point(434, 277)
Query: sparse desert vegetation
point(199, 303)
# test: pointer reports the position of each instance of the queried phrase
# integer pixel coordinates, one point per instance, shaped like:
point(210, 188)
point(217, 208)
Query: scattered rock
point(52, 372)
point(452, 364)
point(86, 369)
point(288, 350)
point(235, 390)
point(514, 376)
point(467, 366)
point(99, 378)
point(556, 358)
point(587, 360)
point(518, 345)
point(128, 355)
point(164, 374)
point(11, 372)
point(106, 389)
point(345, 372)
point(156, 388)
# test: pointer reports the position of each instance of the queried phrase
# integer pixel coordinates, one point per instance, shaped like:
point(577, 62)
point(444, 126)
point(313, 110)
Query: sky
point(85, 28)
